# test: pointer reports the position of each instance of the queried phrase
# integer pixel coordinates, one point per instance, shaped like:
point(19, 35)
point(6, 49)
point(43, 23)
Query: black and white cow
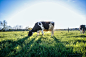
point(82, 28)
point(43, 26)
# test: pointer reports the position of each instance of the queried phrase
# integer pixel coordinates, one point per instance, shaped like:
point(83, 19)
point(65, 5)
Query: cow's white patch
point(41, 25)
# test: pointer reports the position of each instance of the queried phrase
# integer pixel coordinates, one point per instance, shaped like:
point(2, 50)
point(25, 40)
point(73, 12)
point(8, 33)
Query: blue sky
point(65, 13)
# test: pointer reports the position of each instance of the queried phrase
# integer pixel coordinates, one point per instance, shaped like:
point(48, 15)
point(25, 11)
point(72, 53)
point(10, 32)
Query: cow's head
point(30, 33)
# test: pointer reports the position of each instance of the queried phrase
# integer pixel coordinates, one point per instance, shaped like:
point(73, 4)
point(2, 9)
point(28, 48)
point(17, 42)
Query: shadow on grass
point(28, 49)
point(8, 46)
point(84, 41)
point(65, 52)
point(68, 34)
point(37, 48)
point(80, 36)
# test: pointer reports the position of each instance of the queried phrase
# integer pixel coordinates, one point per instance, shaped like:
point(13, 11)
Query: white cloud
point(71, 0)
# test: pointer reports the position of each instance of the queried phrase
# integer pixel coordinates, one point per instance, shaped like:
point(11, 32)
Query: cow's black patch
point(82, 26)
point(46, 25)
point(36, 27)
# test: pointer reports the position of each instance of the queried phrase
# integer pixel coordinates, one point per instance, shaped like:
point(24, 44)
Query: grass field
point(62, 44)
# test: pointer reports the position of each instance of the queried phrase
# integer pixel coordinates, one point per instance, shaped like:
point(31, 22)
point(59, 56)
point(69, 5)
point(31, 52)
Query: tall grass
point(62, 44)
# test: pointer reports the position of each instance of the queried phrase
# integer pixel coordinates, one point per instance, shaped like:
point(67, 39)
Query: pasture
point(62, 44)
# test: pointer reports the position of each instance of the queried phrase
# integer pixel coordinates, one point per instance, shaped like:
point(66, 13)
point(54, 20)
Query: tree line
point(5, 27)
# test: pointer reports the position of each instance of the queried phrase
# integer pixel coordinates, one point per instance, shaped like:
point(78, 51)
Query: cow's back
point(48, 26)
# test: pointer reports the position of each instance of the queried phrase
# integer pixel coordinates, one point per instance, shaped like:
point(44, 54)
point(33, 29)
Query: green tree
point(4, 24)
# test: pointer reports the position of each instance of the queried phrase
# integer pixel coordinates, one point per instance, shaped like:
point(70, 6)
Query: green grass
point(62, 44)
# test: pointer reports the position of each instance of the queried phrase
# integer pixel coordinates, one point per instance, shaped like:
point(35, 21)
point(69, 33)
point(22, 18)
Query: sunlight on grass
point(62, 44)
point(33, 43)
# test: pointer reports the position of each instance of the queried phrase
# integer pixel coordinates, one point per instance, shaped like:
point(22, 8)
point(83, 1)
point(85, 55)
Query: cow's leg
point(42, 32)
point(83, 31)
point(80, 31)
point(37, 33)
point(52, 33)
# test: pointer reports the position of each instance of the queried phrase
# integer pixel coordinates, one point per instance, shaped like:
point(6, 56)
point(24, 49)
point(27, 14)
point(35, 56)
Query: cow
point(42, 26)
point(82, 28)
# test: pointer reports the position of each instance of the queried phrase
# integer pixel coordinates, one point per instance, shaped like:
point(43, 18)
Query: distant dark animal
point(42, 26)
point(82, 28)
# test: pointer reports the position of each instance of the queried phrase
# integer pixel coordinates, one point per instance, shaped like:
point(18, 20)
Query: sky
point(65, 13)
